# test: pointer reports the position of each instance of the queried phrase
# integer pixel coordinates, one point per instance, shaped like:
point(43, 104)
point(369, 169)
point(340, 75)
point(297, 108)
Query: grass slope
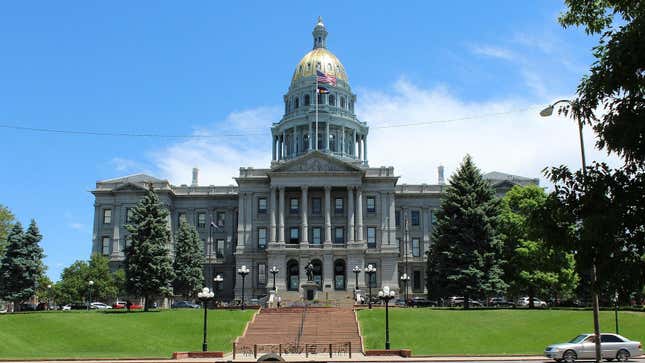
point(72, 334)
point(437, 332)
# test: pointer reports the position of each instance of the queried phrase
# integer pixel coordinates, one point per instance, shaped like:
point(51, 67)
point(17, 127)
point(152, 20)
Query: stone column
point(359, 215)
point(327, 214)
point(285, 149)
point(304, 239)
point(281, 216)
point(272, 216)
point(279, 147)
point(240, 221)
point(342, 141)
point(327, 136)
point(350, 214)
point(310, 139)
point(293, 142)
point(365, 148)
point(426, 229)
point(360, 149)
point(273, 147)
point(353, 151)
point(392, 226)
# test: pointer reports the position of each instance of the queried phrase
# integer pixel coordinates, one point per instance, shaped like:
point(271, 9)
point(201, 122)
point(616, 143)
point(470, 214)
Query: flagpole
point(316, 95)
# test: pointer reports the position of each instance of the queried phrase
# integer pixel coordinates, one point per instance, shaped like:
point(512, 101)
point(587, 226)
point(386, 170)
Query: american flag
point(326, 78)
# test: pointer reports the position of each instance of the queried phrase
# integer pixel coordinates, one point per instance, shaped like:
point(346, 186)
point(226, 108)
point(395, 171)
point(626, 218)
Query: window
point(331, 100)
point(342, 101)
point(262, 274)
point(316, 208)
point(416, 280)
point(339, 275)
point(221, 216)
point(315, 235)
point(293, 275)
point(606, 338)
point(219, 248)
point(107, 216)
point(262, 205)
point(181, 217)
point(397, 218)
point(294, 235)
point(414, 216)
point(105, 245)
point(297, 103)
point(294, 204)
point(307, 100)
point(371, 237)
point(416, 247)
point(128, 215)
point(339, 235)
point(201, 220)
point(433, 218)
point(371, 205)
point(262, 238)
point(339, 205)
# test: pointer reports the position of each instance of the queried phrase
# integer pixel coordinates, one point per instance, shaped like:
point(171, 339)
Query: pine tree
point(188, 261)
point(21, 266)
point(148, 264)
point(465, 258)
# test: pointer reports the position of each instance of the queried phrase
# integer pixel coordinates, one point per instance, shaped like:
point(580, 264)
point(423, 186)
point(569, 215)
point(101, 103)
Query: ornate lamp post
point(274, 271)
point(370, 270)
point(49, 296)
point(243, 271)
point(218, 280)
point(405, 279)
point(89, 303)
point(356, 270)
point(386, 295)
point(205, 296)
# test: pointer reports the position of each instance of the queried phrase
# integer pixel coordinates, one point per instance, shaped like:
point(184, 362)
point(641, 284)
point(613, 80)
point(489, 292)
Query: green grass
point(72, 334)
point(445, 332)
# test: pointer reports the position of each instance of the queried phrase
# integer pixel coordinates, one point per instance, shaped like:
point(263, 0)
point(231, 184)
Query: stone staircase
point(301, 326)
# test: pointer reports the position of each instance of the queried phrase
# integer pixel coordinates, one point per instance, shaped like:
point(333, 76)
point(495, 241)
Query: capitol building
point(318, 201)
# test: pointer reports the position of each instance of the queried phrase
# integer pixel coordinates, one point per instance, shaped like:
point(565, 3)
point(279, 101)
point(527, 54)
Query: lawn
point(72, 334)
point(514, 331)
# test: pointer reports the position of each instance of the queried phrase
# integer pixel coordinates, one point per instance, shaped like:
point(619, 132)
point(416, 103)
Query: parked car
point(184, 305)
point(27, 307)
point(78, 306)
point(418, 301)
point(400, 302)
point(524, 301)
point(459, 301)
point(612, 346)
point(99, 306)
point(122, 305)
point(66, 307)
point(499, 302)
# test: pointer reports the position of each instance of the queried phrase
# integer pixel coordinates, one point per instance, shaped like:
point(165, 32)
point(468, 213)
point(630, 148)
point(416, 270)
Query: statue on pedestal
point(309, 269)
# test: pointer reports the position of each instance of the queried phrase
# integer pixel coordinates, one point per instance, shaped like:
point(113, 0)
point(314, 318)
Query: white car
point(524, 301)
point(99, 305)
point(66, 307)
point(612, 346)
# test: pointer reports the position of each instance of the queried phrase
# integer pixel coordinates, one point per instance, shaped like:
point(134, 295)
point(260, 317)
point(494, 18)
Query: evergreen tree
point(188, 261)
point(6, 223)
point(465, 258)
point(148, 264)
point(21, 265)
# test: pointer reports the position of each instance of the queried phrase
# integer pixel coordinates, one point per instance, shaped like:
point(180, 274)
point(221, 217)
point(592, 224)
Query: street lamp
point(370, 270)
point(405, 279)
point(243, 271)
point(616, 310)
point(356, 270)
point(205, 296)
point(49, 296)
point(386, 295)
point(218, 280)
point(274, 271)
point(89, 303)
point(548, 111)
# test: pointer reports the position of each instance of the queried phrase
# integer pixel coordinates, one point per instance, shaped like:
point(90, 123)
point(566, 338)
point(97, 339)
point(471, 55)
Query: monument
point(309, 288)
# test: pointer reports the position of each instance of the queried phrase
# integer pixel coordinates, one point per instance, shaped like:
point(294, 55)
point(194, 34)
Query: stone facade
point(319, 201)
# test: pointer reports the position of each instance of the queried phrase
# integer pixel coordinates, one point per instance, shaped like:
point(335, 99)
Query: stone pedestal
point(309, 291)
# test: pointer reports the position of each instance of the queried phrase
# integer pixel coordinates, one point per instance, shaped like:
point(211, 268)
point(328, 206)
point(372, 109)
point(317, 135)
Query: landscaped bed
point(82, 334)
point(513, 331)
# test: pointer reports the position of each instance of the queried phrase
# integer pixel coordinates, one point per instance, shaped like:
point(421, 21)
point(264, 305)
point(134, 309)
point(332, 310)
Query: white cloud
point(77, 226)
point(494, 52)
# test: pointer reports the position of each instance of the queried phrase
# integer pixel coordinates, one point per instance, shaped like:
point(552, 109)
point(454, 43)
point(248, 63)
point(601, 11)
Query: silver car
point(612, 346)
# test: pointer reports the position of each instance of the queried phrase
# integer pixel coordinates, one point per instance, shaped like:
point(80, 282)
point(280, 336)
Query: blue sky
point(212, 68)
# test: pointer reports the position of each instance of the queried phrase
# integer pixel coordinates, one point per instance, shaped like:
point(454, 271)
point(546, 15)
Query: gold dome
point(320, 58)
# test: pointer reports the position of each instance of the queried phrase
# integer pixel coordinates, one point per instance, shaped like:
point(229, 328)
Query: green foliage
point(189, 261)
point(6, 223)
point(74, 282)
point(149, 271)
point(466, 256)
point(21, 266)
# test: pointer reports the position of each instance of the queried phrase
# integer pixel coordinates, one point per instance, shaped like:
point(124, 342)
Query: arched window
point(296, 103)
point(305, 140)
point(339, 275)
point(332, 100)
point(317, 272)
point(293, 275)
point(307, 100)
point(300, 69)
point(342, 101)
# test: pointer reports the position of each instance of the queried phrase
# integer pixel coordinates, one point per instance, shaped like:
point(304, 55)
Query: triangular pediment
point(131, 187)
point(316, 162)
point(135, 178)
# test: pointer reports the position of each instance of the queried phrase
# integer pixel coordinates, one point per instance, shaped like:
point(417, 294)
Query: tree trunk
point(145, 303)
point(531, 296)
point(466, 301)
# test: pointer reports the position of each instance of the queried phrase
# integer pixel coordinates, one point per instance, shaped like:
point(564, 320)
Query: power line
point(243, 133)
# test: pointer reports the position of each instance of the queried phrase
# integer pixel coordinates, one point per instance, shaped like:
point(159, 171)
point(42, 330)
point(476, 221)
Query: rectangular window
point(262, 238)
point(293, 205)
point(128, 215)
point(416, 280)
point(339, 235)
point(397, 218)
point(262, 274)
point(316, 207)
point(416, 247)
point(414, 216)
point(105, 246)
point(219, 248)
point(201, 220)
point(221, 216)
point(371, 205)
point(294, 233)
point(181, 217)
point(433, 218)
point(339, 206)
point(315, 235)
point(107, 216)
point(371, 237)
point(262, 205)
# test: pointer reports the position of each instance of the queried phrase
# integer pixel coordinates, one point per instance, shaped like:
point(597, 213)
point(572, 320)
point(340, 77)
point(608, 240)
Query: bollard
point(350, 350)
point(329, 350)
point(233, 350)
point(255, 350)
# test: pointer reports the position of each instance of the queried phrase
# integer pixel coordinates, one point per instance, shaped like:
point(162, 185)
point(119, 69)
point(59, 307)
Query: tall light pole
point(90, 284)
point(548, 111)
point(49, 296)
point(405, 279)
point(205, 296)
point(370, 270)
point(274, 271)
point(386, 295)
point(616, 310)
point(356, 270)
point(243, 271)
point(218, 280)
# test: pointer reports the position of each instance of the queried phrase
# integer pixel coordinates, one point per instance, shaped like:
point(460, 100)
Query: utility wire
point(243, 134)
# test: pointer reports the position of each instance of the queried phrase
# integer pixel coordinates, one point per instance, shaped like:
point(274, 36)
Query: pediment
point(316, 162)
point(131, 187)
